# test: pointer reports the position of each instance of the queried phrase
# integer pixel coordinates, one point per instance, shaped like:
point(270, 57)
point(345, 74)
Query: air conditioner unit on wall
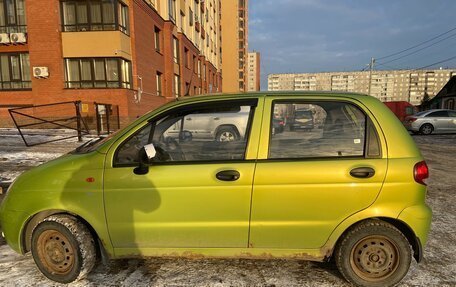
point(18, 38)
point(40, 72)
point(4, 38)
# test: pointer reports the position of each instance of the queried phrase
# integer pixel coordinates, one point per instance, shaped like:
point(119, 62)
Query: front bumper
point(11, 223)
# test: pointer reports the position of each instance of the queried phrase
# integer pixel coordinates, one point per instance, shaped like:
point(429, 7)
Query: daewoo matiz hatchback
point(351, 188)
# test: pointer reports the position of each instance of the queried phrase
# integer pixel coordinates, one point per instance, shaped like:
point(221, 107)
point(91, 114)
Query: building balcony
point(96, 44)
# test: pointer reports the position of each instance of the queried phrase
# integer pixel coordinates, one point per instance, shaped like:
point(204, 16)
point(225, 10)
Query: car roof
point(435, 110)
point(216, 96)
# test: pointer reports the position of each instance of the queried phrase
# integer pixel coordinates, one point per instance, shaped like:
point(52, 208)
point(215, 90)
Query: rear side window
point(439, 114)
point(321, 129)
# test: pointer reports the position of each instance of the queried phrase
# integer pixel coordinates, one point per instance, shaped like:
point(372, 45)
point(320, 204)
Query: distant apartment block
point(394, 85)
point(253, 72)
point(234, 45)
point(137, 54)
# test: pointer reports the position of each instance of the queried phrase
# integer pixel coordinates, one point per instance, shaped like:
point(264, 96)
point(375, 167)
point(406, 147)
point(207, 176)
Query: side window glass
point(217, 133)
point(128, 152)
point(319, 129)
point(452, 114)
point(439, 114)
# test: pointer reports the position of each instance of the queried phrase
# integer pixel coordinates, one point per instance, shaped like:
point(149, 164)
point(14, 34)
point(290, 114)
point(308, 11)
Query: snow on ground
point(438, 268)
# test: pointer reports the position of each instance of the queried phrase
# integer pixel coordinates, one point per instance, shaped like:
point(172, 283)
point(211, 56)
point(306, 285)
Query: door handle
point(362, 172)
point(228, 175)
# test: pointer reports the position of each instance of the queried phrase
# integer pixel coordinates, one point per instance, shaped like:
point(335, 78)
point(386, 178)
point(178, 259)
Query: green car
point(351, 189)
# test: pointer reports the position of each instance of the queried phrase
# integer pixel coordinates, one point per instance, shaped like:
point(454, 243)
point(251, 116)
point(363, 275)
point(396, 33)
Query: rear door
point(308, 181)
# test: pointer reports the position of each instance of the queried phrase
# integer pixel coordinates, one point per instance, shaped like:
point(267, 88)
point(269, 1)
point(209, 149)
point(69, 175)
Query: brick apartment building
point(137, 54)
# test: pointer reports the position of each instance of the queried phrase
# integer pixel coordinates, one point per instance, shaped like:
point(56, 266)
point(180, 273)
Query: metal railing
point(70, 118)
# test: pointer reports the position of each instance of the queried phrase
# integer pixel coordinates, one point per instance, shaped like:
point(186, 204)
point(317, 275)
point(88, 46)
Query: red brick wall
point(189, 76)
point(45, 49)
point(146, 60)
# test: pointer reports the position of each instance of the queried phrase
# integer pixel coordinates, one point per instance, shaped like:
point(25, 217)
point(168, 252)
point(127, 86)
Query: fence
point(44, 123)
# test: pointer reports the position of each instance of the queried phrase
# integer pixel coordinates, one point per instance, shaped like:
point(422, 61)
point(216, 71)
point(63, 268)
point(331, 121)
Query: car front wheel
point(373, 253)
point(63, 248)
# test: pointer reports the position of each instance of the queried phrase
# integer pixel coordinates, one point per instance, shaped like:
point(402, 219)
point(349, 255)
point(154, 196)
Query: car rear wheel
point(426, 129)
point(227, 134)
point(63, 248)
point(373, 253)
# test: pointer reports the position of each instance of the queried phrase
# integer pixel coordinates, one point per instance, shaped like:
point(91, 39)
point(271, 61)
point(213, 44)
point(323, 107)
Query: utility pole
point(371, 68)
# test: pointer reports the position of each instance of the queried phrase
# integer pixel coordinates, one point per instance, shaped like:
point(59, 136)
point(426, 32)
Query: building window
point(157, 39)
point(124, 18)
point(176, 86)
point(195, 65)
point(158, 79)
point(94, 15)
point(182, 22)
point(204, 71)
point(15, 71)
point(12, 16)
point(196, 9)
point(172, 10)
point(199, 69)
point(90, 73)
point(190, 17)
point(175, 50)
point(186, 58)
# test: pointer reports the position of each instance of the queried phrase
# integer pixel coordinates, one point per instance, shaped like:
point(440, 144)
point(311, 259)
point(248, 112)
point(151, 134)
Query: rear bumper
point(412, 127)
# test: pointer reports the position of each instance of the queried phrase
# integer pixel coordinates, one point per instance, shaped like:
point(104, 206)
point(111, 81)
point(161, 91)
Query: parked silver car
point(223, 125)
point(427, 122)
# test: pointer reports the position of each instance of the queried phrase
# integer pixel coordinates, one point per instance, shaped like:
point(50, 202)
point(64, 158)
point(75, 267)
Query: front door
point(196, 193)
point(309, 180)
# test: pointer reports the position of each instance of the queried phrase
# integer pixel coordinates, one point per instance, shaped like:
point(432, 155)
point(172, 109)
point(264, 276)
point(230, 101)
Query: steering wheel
point(174, 150)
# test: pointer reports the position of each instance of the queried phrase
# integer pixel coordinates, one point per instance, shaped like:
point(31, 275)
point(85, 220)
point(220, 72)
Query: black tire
point(63, 248)
point(227, 134)
point(426, 129)
point(373, 253)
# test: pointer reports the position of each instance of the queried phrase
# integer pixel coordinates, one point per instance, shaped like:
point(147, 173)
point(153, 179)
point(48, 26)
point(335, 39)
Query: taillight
point(411, 120)
point(421, 172)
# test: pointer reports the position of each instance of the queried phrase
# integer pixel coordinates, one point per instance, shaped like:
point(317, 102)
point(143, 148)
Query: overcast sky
point(298, 36)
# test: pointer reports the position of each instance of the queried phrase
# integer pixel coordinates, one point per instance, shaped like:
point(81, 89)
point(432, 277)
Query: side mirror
point(185, 136)
point(145, 155)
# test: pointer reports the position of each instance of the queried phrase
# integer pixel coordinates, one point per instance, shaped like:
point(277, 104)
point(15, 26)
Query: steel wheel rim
point(374, 258)
point(227, 137)
point(55, 252)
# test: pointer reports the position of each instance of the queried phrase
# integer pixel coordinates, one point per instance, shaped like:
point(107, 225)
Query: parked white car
point(431, 121)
